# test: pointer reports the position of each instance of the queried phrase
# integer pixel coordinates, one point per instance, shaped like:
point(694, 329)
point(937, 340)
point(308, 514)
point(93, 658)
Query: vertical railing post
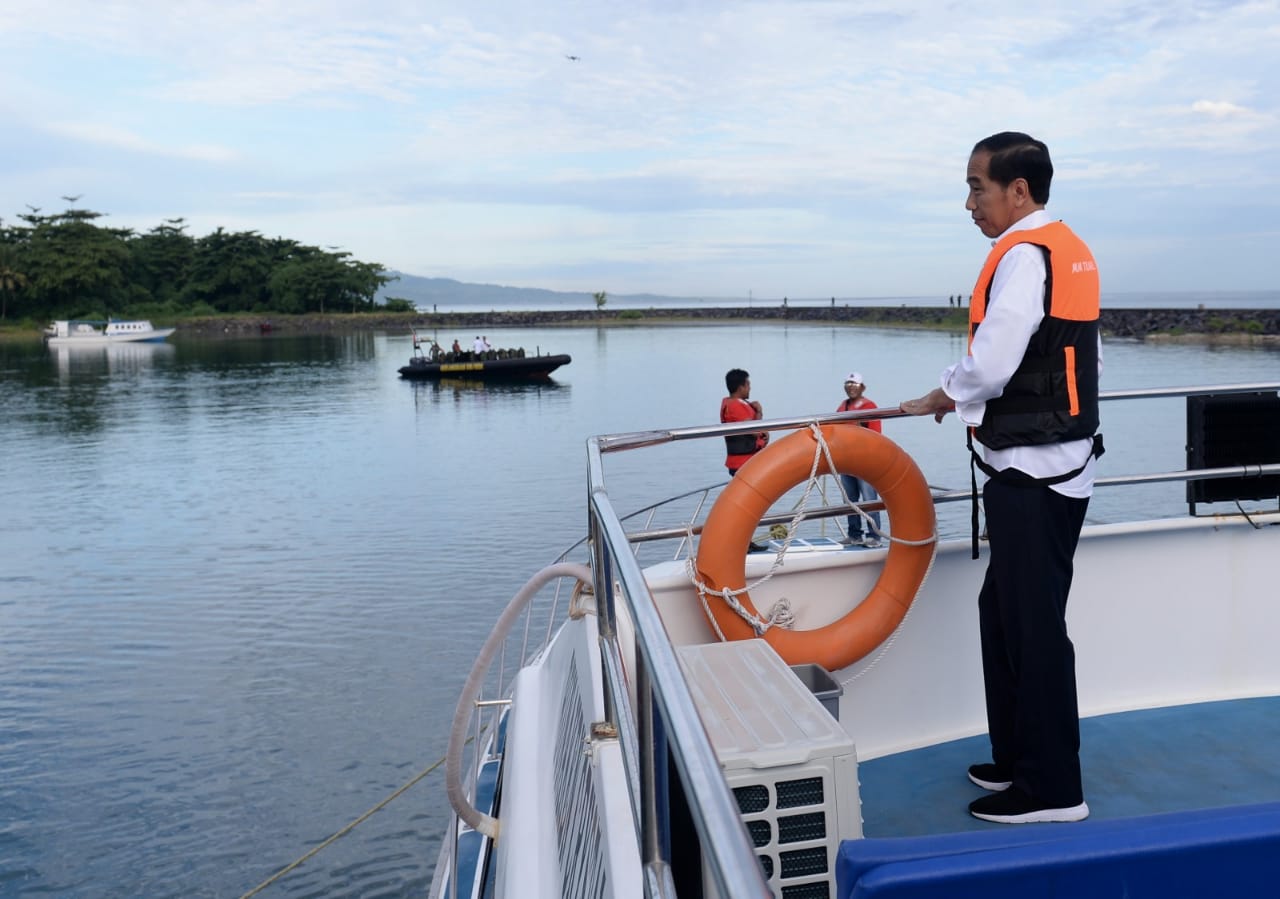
point(651, 848)
point(606, 608)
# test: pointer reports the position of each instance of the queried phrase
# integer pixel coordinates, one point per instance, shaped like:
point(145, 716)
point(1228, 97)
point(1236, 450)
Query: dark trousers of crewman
point(1028, 661)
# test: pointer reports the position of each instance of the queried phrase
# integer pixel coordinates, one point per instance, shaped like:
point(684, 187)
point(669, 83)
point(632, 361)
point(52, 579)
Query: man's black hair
point(1016, 155)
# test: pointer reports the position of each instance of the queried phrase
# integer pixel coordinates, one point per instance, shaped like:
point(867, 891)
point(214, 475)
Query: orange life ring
point(763, 480)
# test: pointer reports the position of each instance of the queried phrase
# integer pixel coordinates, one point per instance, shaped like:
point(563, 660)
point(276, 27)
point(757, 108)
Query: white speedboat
point(81, 332)
point(609, 743)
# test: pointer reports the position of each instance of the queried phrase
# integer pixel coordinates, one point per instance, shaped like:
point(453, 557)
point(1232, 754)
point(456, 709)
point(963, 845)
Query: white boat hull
point(72, 333)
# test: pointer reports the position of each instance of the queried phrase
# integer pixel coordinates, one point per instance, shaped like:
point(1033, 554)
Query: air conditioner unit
point(791, 766)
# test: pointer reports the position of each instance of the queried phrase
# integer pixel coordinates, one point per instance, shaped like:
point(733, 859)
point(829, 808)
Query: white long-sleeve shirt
point(1012, 316)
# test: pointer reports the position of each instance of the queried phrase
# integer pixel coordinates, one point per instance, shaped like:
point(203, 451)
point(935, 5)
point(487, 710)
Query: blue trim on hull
point(474, 848)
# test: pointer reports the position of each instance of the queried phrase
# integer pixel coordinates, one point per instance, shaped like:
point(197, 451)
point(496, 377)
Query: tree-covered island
point(67, 265)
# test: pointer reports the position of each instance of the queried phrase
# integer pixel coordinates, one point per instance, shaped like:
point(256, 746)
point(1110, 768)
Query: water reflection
point(112, 359)
point(273, 350)
point(470, 391)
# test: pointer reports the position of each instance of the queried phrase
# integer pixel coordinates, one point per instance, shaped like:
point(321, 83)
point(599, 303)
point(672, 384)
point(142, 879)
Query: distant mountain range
point(425, 292)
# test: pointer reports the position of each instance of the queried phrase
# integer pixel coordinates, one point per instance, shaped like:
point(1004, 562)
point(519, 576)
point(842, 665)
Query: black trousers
point(1028, 661)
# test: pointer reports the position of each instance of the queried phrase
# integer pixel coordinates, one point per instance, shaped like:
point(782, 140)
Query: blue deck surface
point(1135, 763)
point(1185, 802)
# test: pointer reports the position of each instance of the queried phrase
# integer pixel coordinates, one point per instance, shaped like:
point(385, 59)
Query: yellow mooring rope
point(346, 830)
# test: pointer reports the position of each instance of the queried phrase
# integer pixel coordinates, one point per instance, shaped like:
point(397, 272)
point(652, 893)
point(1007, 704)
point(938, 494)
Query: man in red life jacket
point(1028, 390)
point(738, 406)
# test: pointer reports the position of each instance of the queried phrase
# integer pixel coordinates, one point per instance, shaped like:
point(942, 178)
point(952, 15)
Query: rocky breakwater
point(1237, 325)
point(1127, 323)
point(1173, 323)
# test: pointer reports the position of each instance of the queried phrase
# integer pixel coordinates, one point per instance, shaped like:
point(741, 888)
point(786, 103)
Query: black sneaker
point(989, 777)
point(1013, 806)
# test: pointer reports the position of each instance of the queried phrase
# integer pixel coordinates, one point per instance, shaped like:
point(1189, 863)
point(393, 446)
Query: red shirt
point(733, 409)
point(861, 403)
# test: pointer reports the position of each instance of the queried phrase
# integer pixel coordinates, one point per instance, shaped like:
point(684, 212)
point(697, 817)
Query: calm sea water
point(242, 581)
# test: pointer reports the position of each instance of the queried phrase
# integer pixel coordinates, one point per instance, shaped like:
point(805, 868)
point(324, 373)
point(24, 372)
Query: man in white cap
point(857, 489)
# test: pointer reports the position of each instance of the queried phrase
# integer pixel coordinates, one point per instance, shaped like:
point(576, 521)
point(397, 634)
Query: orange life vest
point(1052, 396)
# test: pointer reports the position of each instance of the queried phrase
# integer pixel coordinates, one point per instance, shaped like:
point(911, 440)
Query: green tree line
point(68, 266)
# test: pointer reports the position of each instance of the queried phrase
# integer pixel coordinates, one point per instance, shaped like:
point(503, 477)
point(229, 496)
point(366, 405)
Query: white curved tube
point(477, 820)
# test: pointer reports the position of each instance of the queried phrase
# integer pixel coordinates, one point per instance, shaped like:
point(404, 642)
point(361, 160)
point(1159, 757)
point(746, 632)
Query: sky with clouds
point(723, 149)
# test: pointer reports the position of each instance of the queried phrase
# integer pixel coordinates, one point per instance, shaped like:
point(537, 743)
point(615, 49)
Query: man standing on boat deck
point(1028, 390)
point(855, 488)
point(738, 406)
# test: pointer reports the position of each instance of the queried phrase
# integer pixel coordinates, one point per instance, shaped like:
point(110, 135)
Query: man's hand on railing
point(935, 402)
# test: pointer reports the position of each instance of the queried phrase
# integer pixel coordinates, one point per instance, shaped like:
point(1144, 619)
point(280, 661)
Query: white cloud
point(120, 138)
point(1219, 109)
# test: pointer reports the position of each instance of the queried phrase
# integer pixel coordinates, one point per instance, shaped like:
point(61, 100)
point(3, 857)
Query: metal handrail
point(612, 443)
point(639, 439)
point(954, 496)
point(1148, 393)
